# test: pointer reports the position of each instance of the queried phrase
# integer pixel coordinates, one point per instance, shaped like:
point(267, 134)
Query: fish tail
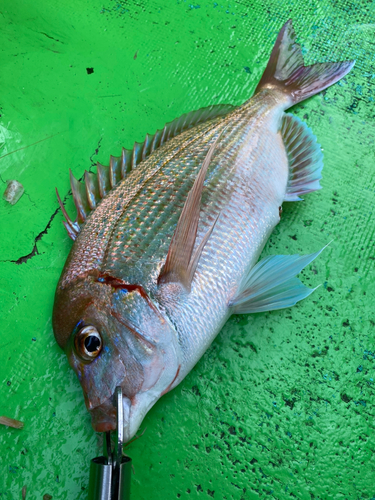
point(286, 70)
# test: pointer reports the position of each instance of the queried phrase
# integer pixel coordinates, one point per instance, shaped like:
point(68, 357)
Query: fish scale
point(239, 235)
point(92, 242)
point(142, 242)
point(162, 260)
point(95, 250)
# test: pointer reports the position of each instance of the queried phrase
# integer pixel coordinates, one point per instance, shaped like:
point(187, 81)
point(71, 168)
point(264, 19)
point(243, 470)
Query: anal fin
point(304, 155)
point(271, 284)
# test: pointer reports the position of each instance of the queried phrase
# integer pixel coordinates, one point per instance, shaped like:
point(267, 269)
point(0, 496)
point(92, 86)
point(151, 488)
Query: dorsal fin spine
point(162, 140)
point(89, 193)
point(156, 140)
point(126, 162)
point(79, 198)
point(136, 154)
point(71, 232)
point(146, 146)
point(114, 170)
point(103, 179)
point(90, 189)
point(71, 227)
point(172, 130)
point(139, 149)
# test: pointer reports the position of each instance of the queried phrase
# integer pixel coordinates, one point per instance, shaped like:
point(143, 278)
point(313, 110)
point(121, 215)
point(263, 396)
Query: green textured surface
point(281, 405)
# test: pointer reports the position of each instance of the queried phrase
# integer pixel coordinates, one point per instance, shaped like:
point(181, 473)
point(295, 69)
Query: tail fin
point(286, 70)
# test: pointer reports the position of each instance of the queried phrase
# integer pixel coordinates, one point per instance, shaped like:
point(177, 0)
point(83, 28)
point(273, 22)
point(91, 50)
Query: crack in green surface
point(95, 153)
point(50, 37)
point(25, 258)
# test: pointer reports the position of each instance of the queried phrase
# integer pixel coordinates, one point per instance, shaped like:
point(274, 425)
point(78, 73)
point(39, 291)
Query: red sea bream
point(167, 238)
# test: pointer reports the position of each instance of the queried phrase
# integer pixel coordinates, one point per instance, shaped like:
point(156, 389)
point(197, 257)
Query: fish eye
point(88, 343)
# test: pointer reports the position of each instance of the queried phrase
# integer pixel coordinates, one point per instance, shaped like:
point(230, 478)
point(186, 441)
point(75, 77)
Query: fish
point(167, 238)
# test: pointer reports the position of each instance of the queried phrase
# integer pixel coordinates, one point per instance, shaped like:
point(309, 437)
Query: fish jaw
point(104, 417)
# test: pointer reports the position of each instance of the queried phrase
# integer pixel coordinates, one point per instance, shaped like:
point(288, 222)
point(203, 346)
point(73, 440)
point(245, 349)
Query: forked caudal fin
point(286, 70)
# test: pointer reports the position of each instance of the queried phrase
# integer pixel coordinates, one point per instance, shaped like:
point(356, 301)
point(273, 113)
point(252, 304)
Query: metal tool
point(110, 474)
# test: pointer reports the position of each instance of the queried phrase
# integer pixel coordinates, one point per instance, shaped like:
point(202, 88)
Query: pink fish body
point(168, 238)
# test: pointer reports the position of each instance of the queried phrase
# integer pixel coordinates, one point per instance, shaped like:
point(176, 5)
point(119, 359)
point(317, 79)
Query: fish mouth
point(104, 417)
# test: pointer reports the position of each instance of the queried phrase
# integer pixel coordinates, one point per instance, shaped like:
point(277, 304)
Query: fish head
point(114, 335)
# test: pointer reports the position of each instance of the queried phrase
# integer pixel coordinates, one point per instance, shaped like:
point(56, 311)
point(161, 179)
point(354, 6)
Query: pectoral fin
point(271, 284)
point(180, 264)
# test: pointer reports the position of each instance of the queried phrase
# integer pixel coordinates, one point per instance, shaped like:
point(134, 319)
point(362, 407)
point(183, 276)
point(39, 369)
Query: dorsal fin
point(70, 226)
point(180, 264)
point(87, 194)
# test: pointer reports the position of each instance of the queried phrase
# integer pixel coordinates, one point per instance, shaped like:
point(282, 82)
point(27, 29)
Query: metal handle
point(124, 479)
point(110, 475)
point(101, 480)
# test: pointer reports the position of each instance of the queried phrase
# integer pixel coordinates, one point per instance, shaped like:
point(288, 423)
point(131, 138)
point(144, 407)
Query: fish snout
point(104, 417)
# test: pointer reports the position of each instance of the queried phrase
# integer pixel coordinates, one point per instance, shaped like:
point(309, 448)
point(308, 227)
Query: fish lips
point(104, 416)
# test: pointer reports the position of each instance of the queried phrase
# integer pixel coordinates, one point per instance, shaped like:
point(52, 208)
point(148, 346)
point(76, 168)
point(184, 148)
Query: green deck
point(281, 405)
